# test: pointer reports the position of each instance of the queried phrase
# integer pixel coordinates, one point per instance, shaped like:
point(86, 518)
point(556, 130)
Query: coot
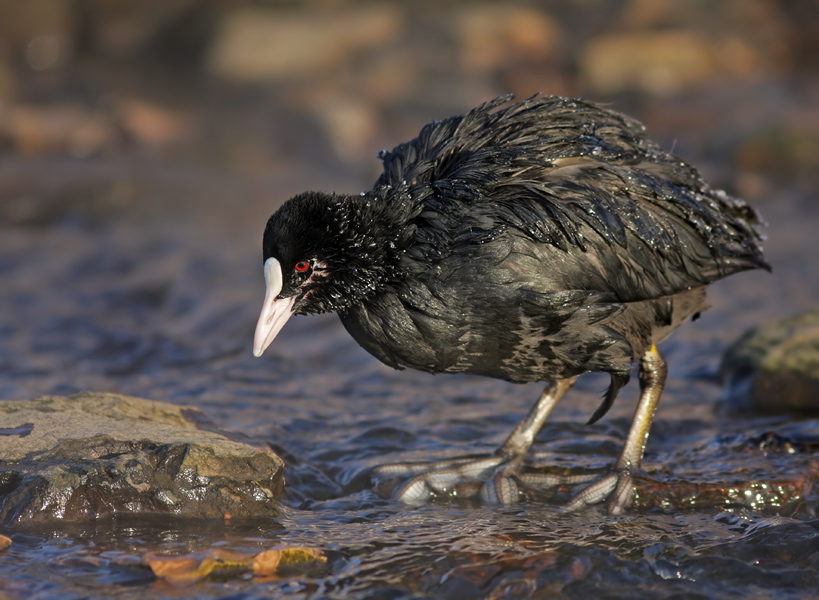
point(527, 241)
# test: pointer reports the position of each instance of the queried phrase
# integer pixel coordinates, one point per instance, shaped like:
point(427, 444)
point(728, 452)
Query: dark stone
point(94, 455)
point(774, 368)
point(769, 472)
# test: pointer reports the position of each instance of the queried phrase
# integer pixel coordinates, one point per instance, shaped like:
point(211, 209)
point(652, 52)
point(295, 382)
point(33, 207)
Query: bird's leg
point(501, 488)
point(619, 484)
point(501, 465)
point(518, 443)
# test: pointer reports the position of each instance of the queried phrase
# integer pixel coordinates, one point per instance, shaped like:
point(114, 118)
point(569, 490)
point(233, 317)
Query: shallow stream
point(151, 286)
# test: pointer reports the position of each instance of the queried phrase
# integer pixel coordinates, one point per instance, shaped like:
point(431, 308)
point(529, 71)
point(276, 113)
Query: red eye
point(302, 266)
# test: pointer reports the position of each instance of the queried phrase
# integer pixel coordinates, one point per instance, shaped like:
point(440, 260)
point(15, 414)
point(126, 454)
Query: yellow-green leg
point(496, 470)
point(618, 486)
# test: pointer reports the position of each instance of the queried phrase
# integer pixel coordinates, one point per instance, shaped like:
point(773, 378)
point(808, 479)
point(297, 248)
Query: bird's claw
point(457, 478)
point(502, 488)
point(497, 480)
point(618, 487)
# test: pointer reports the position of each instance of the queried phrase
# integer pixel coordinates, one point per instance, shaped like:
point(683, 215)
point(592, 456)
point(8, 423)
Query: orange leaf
point(224, 564)
point(181, 568)
point(271, 562)
point(267, 562)
point(191, 568)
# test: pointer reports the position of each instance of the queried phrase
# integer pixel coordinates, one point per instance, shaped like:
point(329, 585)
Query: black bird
point(529, 241)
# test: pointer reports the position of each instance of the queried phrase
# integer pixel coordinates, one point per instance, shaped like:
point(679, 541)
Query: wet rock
point(93, 455)
point(8, 84)
point(151, 124)
point(264, 45)
point(665, 48)
point(770, 472)
point(490, 37)
point(74, 130)
point(127, 28)
point(37, 31)
point(774, 368)
point(351, 128)
point(644, 14)
point(659, 63)
point(784, 154)
point(390, 75)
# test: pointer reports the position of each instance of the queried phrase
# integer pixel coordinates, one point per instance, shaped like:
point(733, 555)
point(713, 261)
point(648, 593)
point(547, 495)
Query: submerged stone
point(94, 455)
point(774, 368)
point(769, 472)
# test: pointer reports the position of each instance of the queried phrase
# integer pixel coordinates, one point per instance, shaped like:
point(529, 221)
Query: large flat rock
point(94, 455)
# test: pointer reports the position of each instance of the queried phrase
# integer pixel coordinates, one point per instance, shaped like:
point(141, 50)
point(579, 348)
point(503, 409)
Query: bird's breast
point(485, 326)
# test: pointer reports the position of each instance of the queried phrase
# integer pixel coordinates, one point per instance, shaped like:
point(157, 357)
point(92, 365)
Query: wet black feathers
point(553, 166)
point(525, 241)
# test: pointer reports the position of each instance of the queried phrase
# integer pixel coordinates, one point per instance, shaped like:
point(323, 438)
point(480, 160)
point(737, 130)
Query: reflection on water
point(446, 551)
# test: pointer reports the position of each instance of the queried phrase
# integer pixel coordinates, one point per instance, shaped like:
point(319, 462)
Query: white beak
point(275, 311)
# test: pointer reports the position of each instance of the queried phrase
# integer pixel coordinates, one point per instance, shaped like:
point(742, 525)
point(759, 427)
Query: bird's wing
point(574, 176)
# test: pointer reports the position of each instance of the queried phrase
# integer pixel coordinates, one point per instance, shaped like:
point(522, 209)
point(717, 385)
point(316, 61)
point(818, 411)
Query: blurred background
point(144, 143)
point(253, 90)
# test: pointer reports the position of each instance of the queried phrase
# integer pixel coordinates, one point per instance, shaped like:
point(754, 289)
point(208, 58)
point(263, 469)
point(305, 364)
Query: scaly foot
point(492, 478)
point(617, 487)
point(497, 471)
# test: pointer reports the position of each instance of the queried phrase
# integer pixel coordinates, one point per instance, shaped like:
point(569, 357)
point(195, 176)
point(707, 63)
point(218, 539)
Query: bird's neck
point(371, 233)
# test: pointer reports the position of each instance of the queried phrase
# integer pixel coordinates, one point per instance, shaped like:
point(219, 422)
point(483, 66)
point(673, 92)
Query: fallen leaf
point(225, 564)
point(152, 124)
point(194, 567)
point(271, 562)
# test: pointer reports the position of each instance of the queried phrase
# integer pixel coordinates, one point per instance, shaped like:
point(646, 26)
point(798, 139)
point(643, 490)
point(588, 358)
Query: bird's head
point(324, 252)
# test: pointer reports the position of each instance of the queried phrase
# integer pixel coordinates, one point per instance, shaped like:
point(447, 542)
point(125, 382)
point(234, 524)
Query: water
point(114, 288)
